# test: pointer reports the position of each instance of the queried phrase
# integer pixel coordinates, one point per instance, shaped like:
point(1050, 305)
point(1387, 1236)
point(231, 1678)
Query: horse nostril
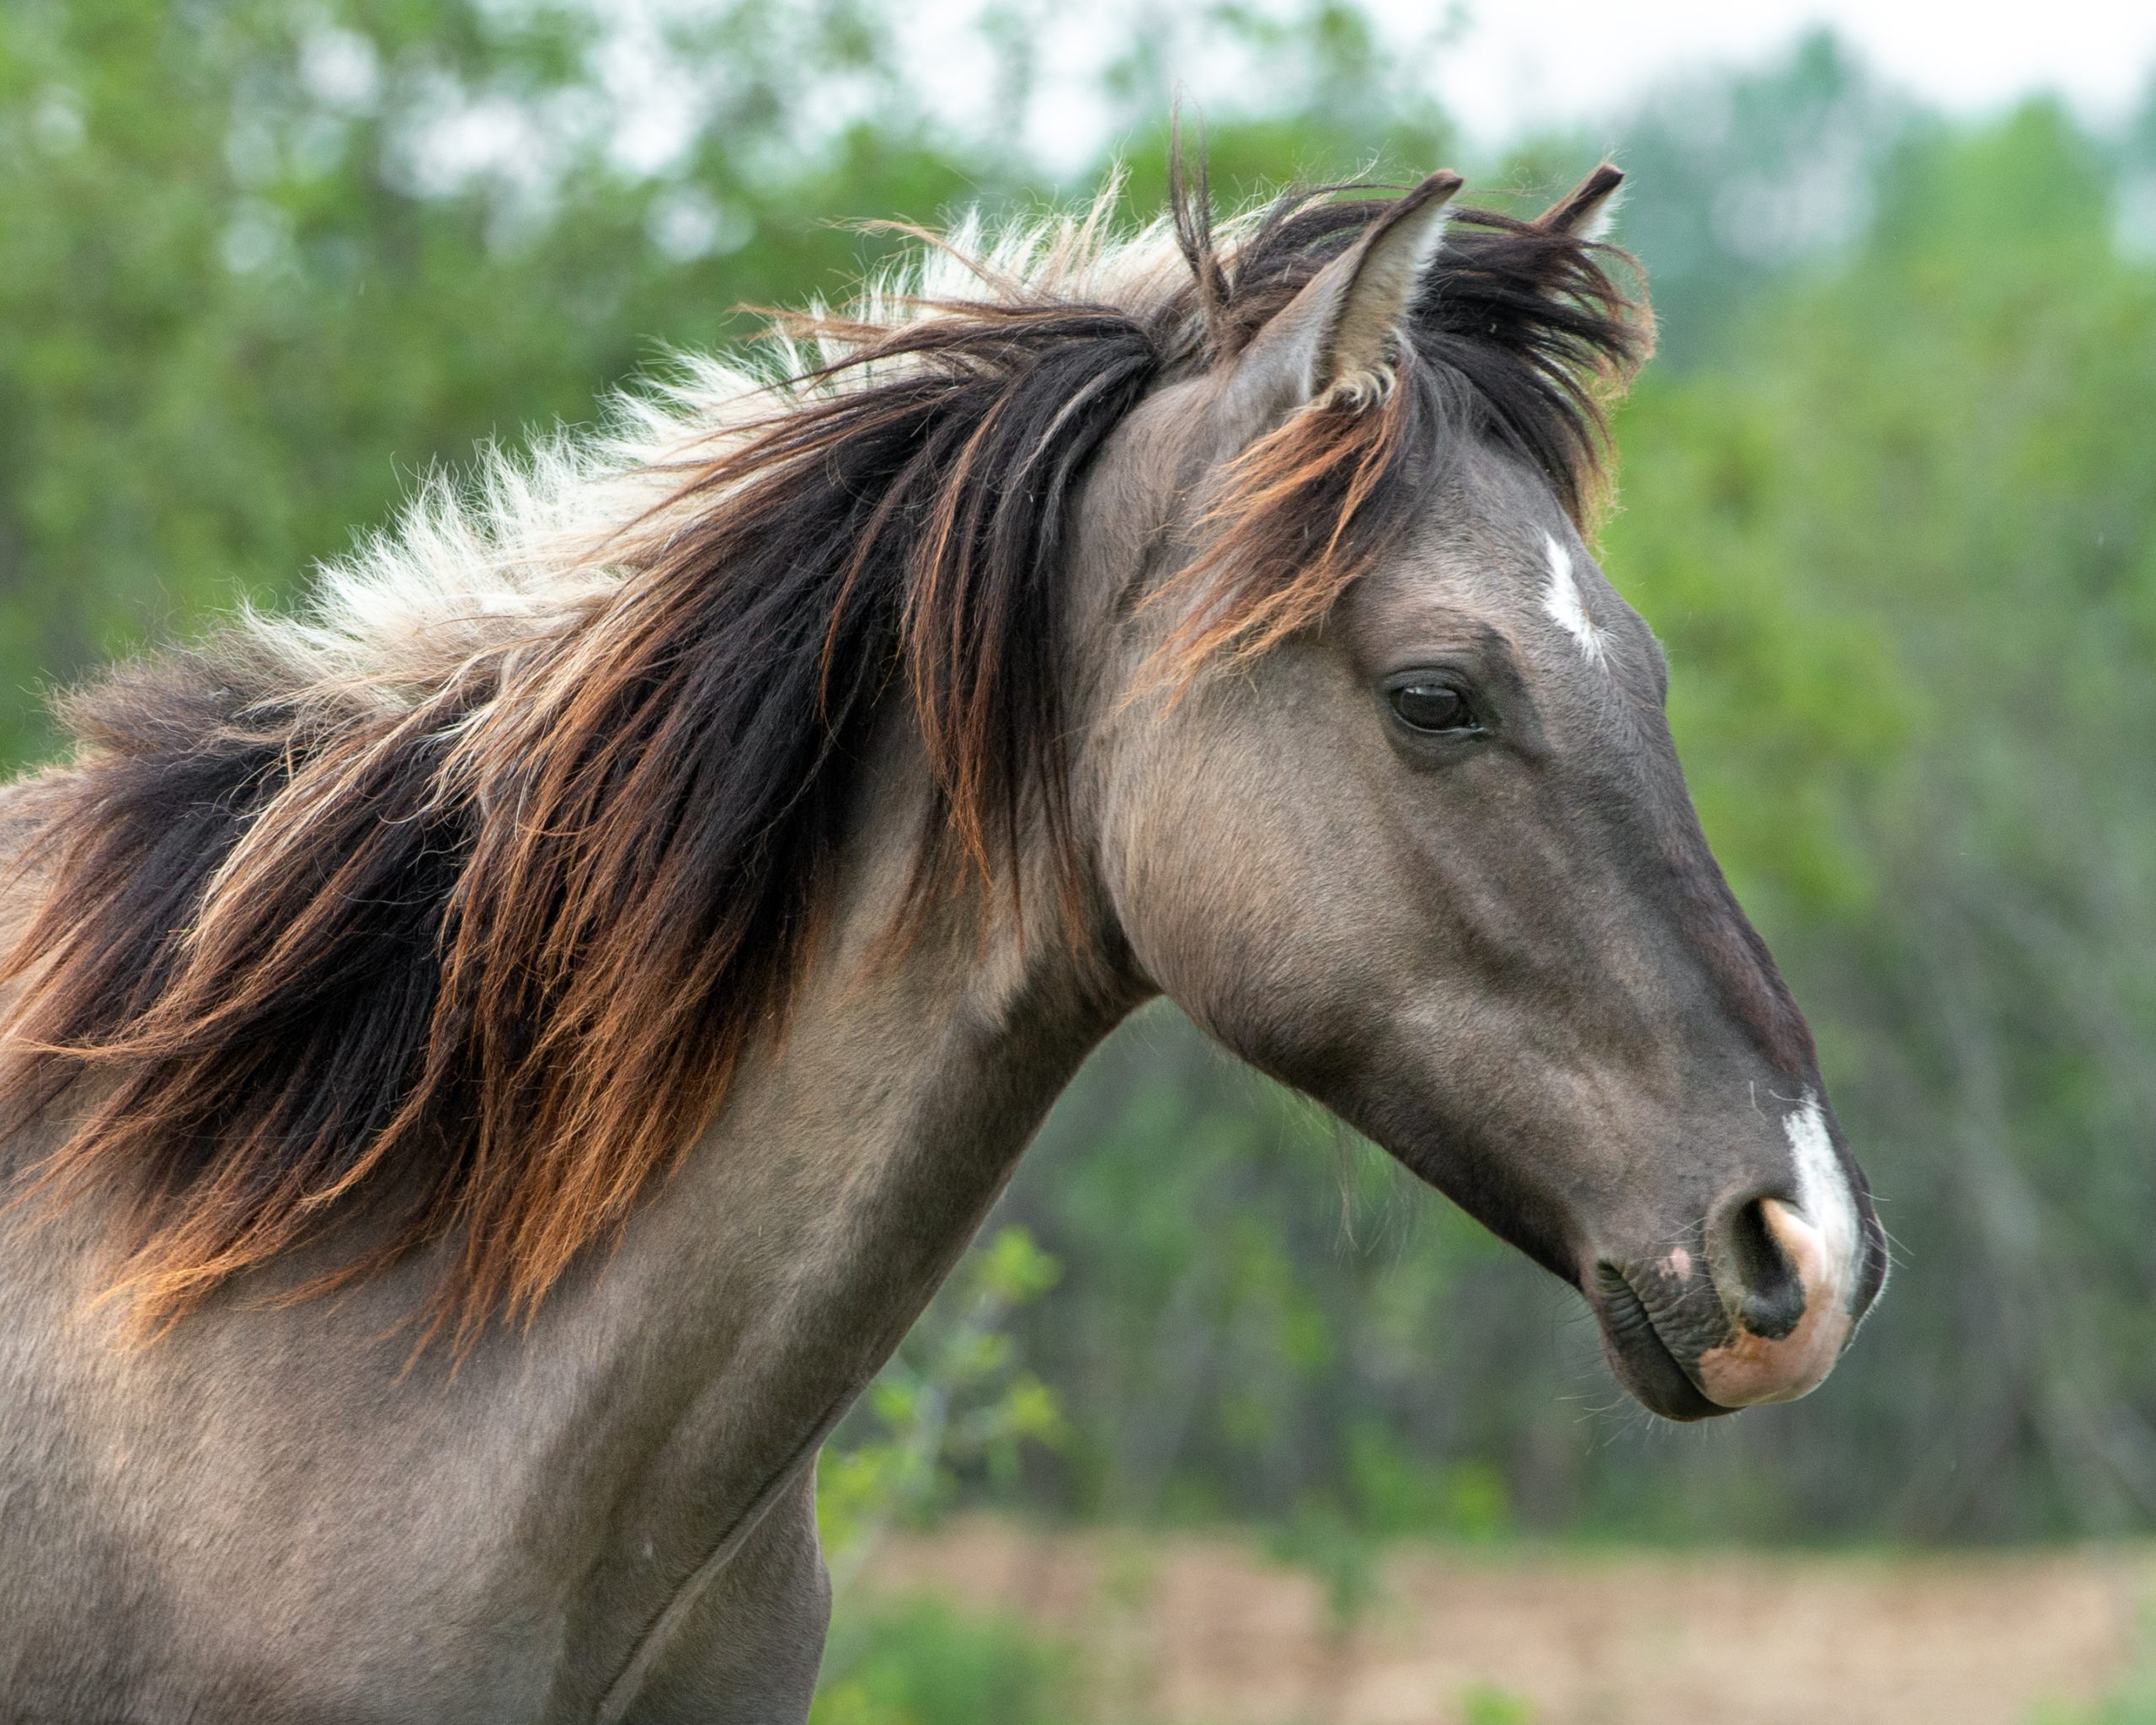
point(1763, 1290)
point(1783, 1270)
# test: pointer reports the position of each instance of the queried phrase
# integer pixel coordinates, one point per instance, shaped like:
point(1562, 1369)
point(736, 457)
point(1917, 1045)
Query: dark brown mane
point(488, 957)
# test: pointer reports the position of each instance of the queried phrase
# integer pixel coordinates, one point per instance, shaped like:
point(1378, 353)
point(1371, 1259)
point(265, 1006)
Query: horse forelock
point(466, 889)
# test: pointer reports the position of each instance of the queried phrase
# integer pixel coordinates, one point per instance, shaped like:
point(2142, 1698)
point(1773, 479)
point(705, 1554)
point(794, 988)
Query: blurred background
point(1225, 1418)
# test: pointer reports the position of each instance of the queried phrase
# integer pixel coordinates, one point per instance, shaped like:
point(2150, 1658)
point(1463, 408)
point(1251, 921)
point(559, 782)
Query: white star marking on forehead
point(1565, 607)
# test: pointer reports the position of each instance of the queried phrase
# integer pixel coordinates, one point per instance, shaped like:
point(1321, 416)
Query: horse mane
point(461, 893)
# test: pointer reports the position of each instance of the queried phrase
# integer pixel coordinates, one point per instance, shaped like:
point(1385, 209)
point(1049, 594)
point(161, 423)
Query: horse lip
point(1643, 1361)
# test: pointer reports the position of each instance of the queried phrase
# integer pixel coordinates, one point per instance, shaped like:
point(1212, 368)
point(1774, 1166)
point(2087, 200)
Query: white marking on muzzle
point(1823, 1191)
point(1565, 607)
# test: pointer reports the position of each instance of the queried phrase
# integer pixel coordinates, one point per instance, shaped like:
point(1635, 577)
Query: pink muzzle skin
point(1749, 1369)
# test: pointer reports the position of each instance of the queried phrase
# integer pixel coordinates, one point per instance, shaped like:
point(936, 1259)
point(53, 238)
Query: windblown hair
point(462, 894)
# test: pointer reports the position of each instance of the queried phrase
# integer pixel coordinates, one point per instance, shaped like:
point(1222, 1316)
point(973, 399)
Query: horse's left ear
point(1334, 338)
point(1586, 213)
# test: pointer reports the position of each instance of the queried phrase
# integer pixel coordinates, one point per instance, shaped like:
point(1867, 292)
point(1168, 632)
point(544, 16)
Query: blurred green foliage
point(261, 265)
point(1888, 499)
point(923, 1662)
point(1485, 1706)
point(954, 1399)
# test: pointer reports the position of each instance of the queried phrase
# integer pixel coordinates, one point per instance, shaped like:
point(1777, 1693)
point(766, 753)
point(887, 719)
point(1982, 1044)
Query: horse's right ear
point(1335, 339)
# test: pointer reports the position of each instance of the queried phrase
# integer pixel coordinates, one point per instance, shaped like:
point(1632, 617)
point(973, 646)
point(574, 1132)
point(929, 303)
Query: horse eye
point(1434, 707)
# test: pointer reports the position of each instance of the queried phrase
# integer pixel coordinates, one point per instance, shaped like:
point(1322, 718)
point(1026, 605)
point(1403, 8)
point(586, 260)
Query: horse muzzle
point(1758, 1311)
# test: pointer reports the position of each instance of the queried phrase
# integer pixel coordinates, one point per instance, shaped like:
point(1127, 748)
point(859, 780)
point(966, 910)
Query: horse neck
point(858, 1153)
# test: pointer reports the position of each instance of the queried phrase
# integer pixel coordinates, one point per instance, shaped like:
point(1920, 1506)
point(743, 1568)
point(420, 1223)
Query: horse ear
point(1586, 212)
point(1335, 336)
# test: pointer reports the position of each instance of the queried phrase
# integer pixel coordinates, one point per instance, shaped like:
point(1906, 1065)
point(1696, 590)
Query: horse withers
point(496, 1060)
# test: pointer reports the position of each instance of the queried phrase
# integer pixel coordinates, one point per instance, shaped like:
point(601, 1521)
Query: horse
point(497, 1055)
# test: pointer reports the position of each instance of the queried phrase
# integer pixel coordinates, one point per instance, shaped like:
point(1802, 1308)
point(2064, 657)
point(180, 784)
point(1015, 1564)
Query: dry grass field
point(1205, 1630)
